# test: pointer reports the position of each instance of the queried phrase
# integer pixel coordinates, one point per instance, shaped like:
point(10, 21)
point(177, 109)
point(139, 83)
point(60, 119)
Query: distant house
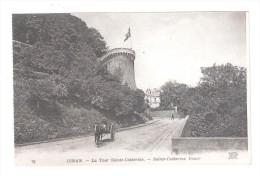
point(152, 97)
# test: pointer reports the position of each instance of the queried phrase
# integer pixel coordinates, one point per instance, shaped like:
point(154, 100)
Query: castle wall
point(120, 62)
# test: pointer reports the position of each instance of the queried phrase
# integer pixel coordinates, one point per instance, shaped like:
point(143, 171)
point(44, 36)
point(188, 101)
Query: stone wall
point(120, 62)
point(193, 144)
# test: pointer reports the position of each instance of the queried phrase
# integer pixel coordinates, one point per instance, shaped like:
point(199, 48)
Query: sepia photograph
point(130, 88)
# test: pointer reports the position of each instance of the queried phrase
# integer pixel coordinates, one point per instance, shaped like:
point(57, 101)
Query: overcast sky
point(173, 46)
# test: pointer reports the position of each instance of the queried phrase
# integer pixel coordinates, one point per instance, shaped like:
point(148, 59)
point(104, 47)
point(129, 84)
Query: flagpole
point(130, 36)
point(131, 41)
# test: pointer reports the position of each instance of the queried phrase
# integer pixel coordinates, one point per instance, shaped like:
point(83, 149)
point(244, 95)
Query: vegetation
point(172, 93)
point(60, 89)
point(217, 107)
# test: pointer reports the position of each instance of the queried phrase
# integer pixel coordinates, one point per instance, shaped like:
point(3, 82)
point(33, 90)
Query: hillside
point(60, 89)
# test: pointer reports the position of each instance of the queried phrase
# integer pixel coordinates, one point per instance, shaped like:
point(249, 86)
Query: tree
point(172, 92)
point(97, 42)
point(63, 30)
point(218, 102)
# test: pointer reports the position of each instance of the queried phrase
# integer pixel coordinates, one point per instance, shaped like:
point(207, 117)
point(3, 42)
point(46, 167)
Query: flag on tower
point(128, 34)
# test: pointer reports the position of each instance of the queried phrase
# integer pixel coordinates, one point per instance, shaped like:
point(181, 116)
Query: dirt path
point(152, 138)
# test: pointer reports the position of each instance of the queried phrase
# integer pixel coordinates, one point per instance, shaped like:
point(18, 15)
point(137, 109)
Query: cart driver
point(104, 123)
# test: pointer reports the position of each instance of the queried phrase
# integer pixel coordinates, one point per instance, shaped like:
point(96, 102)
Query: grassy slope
point(55, 120)
point(31, 126)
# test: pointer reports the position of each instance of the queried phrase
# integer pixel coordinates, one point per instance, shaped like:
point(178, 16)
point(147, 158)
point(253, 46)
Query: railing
point(117, 51)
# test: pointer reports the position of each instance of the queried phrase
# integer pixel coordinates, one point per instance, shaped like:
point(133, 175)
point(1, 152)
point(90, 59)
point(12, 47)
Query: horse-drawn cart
point(102, 130)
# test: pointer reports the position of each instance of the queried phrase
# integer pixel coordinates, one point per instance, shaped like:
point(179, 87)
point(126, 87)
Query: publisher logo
point(232, 155)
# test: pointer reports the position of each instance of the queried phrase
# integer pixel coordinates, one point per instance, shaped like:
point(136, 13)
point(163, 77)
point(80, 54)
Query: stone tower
point(120, 62)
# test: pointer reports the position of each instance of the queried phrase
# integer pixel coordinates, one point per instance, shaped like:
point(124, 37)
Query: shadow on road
point(104, 142)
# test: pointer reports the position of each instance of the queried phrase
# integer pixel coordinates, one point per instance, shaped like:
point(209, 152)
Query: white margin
point(6, 104)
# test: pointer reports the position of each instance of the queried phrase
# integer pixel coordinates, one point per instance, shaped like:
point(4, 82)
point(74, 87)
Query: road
point(155, 137)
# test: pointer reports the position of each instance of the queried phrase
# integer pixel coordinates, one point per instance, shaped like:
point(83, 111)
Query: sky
point(174, 46)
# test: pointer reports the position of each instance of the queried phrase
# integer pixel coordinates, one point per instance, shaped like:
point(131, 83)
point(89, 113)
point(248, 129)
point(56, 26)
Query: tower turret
point(120, 62)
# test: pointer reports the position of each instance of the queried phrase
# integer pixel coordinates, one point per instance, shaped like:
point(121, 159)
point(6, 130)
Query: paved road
point(151, 138)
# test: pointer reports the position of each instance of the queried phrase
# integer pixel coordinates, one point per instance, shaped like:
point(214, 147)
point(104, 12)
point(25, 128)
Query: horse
point(98, 133)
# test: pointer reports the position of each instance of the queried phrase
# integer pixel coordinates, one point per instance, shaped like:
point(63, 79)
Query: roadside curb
point(75, 137)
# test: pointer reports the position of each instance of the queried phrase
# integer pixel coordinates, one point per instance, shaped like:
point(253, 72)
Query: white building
point(152, 97)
